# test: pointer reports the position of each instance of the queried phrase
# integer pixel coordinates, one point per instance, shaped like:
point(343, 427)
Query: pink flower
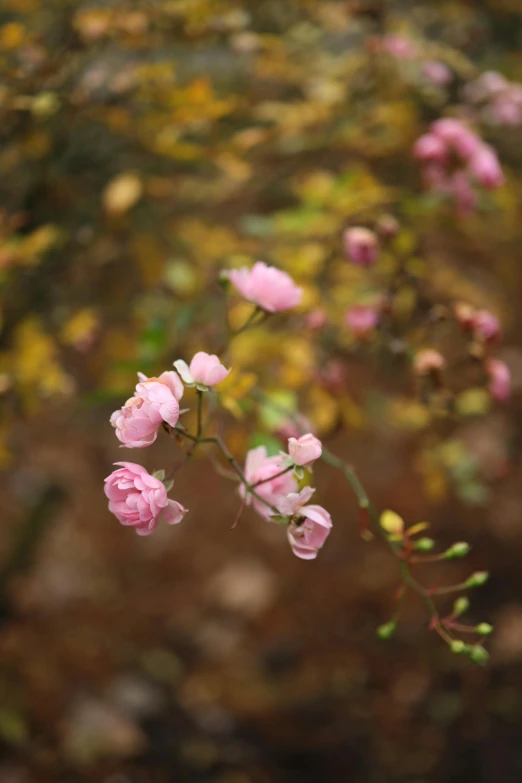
point(399, 46)
point(361, 245)
point(437, 72)
point(293, 503)
point(305, 450)
point(155, 401)
point(205, 370)
point(485, 166)
point(428, 361)
point(261, 468)
point(268, 287)
point(309, 533)
point(485, 325)
point(499, 379)
point(316, 319)
point(139, 500)
point(361, 320)
point(430, 148)
point(455, 134)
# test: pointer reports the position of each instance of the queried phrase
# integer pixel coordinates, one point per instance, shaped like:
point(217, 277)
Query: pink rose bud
point(485, 325)
point(361, 320)
point(305, 450)
point(428, 361)
point(430, 148)
point(486, 168)
point(437, 72)
point(140, 500)
point(454, 133)
point(465, 314)
point(205, 370)
point(316, 319)
point(308, 535)
point(155, 401)
point(361, 245)
point(261, 468)
point(499, 379)
point(268, 287)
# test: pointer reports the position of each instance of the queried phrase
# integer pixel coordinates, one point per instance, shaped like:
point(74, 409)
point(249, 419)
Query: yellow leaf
point(122, 193)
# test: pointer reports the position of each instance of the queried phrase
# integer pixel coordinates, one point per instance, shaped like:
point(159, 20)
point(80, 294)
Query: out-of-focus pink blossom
point(428, 361)
point(430, 148)
point(316, 319)
point(294, 427)
point(361, 245)
point(155, 401)
point(259, 467)
point(485, 325)
point(305, 450)
point(140, 500)
point(309, 533)
point(362, 320)
point(205, 370)
point(399, 47)
point(501, 100)
point(268, 287)
point(485, 166)
point(437, 72)
point(456, 136)
point(499, 379)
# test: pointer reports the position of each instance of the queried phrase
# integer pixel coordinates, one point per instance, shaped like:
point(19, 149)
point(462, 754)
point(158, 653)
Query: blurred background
point(143, 147)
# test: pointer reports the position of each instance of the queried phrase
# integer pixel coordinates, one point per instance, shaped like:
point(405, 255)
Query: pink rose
point(155, 401)
point(139, 500)
point(308, 534)
point(361, 245)
point(268, 287)
point(455, 134)
point(292, 504)
point(437, 72)
point(485, 325)
point(430, 148)
point(485, 166)
point(205, 370)
point(361, 320)
point(261, 468)
point(499, 379)
point(305, 450)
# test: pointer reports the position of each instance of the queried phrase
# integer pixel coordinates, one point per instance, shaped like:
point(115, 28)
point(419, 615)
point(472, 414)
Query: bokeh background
point(143, 147)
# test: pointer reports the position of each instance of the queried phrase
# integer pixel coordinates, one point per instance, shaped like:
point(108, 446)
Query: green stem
point(271, 478)
point(200, 411)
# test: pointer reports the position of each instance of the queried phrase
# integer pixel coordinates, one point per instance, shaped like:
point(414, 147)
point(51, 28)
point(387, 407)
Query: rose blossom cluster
point(455, 160)
point(499, 99)
point(137, 498)
point(275, 482)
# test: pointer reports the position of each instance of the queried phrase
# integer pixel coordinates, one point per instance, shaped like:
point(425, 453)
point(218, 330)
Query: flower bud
point(392, 523)
point(484, 629)
point(361, 245)
point(460, 606)
point(387, 630)
point(460, 549)
point(479, 654)
point(458, 647)
point(387, 226)
point(428, 361)
point(424, 544)
point(477, 579)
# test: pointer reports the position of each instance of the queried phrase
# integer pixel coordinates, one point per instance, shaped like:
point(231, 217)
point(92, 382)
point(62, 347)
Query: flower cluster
point(500, 100)
point(455, 160)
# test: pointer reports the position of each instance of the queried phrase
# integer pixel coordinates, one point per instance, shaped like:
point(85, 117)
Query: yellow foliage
point(122, 193)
